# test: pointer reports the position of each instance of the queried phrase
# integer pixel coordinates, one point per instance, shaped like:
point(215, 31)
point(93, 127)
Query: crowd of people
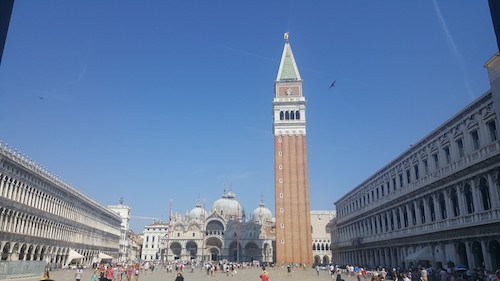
point(414, 273)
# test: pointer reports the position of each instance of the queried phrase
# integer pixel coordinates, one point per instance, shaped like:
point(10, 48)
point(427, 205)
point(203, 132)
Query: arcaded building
point(321, 237)
point(45, 219)
point(437, 203)
point(293, 231)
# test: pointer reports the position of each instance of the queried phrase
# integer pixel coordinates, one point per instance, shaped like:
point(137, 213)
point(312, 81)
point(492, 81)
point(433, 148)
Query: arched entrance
point(192, 249)
point(494, 251)
point(252, 252)
point(317, 260)
point(176, 249)
point(326, 260)
point(477, 253)
point(462, 254)
point(22, 253)
point(214, 247)
point(235, 252)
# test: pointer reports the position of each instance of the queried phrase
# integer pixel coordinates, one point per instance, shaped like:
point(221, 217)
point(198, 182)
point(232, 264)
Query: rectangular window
point(447, 154)
point(492, 127)
point(408, 178)
point(436, 160)
point(382, 188)
point(426, 166)
point(460, 147)
point(400, 180)
point(416, 172)
point(393, 183)
point(475, 139)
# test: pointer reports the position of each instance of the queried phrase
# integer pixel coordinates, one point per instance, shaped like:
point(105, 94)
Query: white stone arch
point(22, 251)
point(214, 246)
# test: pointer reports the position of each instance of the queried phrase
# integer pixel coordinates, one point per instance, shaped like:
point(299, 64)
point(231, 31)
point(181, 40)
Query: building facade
point(436, 204)
point(43, 218)
point(221, 234)
point(125, 252)
point(293, 234)
point(321, 237)
point(154, 240)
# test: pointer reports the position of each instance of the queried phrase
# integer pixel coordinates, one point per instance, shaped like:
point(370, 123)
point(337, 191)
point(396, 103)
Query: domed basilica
point(224, 233)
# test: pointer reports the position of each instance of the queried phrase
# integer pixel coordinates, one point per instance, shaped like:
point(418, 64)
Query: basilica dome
point(228, 206)
point(198, 212)
point(262, 213)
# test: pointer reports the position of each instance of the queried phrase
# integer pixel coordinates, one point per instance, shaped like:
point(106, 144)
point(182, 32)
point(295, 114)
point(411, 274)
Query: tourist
point(78, 273)
point(423, 274)
point(45, 276)
point(179, 277)
point(264, 276)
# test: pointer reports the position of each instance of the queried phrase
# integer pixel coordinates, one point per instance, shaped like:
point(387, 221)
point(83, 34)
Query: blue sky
point(155, 101)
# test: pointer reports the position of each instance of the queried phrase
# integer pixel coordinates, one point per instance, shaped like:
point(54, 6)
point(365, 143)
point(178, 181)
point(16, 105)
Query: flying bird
point(333, 84)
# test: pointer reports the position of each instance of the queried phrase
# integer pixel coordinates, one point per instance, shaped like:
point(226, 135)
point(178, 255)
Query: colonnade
point(473, 253)
point(42, 217)
point(450, 205)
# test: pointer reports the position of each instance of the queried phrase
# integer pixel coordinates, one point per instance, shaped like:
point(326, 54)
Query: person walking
point(78, 273)
point(264, 275)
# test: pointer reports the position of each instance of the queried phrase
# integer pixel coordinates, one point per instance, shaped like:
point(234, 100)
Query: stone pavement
point(250, 274)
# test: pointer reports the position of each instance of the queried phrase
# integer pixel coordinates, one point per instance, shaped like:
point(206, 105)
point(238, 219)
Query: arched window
point(432, 209)
point(297, 115)
point(314, 247)
point(442, 206)
point(468, 199)
point(287, 115)
point(292, 115)
point(405, 217)
point(485, 194)
point(422, 211)
point(282, 116)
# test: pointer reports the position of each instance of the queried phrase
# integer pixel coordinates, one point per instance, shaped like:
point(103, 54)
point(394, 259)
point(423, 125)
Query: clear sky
point(160, 100)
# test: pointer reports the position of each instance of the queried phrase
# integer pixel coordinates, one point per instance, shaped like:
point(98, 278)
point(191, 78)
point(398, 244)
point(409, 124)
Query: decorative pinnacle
point(285, 36)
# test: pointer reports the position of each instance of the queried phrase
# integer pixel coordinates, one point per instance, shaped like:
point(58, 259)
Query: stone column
point(2, 184)
point(448, 203)
point(418, 212)
point(409, 215)
point(470, 256)
point(494, 196)
point(427, 210)
point(461, 199)
point(475, 196)
point(487, 257)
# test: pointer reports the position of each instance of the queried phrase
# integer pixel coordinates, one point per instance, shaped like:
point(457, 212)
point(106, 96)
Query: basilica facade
point(223, 233)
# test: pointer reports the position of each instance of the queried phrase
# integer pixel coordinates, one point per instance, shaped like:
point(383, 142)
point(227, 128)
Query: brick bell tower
point(293, 221)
